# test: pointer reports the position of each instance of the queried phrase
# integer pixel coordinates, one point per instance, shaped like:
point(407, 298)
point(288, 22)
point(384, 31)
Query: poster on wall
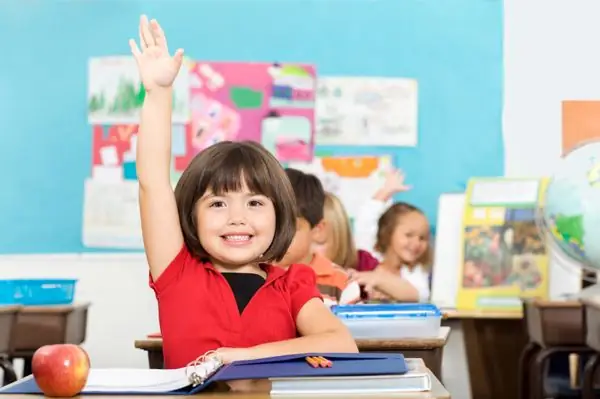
point(580, 123)
point(504, 257)
point(111, 212)
point(353, 179)
point(366, 111)
point(272, 104)
point(116, 94)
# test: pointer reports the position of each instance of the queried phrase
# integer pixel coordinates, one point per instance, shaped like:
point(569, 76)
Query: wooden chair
point(554, 327)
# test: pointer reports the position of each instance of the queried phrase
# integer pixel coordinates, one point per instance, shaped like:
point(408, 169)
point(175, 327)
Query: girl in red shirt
point(209, 245)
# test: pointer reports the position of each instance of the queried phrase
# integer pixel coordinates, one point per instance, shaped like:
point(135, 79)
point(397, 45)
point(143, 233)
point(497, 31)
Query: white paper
point(353, 191)
point(448, 247)
point(114, 83)
point(366, 111)
point(505, 192)
point(107, 173)
point(111, 216)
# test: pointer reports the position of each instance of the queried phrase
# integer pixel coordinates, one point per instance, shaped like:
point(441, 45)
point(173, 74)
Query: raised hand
point(393, 184)
point(157, 68)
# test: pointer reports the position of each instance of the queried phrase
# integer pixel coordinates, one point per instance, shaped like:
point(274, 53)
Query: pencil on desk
point(312, 361)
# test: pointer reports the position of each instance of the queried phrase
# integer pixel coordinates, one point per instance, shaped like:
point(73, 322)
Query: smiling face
point(236, 205)
point(410, 238)
point(236, 227)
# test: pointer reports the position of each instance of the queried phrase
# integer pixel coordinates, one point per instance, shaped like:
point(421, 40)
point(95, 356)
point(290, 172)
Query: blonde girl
point(339, 245)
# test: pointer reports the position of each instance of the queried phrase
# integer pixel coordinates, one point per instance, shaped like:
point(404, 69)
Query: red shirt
point(198, 312)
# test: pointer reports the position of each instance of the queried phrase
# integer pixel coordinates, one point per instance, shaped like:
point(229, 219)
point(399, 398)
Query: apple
point(60, 370)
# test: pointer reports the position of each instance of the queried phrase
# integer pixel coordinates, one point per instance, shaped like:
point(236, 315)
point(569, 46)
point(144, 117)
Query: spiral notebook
point(291, 374)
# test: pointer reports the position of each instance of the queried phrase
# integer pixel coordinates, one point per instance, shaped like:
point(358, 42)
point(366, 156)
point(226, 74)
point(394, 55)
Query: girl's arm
point(410, 288)
point(365, 223)
point(160, 222)
point(321, 332)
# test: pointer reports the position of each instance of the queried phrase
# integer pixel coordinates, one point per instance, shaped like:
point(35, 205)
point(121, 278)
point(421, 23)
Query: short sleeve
point(172, 272)
point(302, 287)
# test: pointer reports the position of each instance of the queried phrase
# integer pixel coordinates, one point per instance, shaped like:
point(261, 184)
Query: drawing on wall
point(268, 103)
point(111, 212)
point(116, 93)
point(366, 111)
point(353, 179)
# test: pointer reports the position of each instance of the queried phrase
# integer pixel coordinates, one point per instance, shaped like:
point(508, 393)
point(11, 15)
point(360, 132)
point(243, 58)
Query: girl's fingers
point(159, 35)
point(145, 32)
point(178, 58)
point(134, 49)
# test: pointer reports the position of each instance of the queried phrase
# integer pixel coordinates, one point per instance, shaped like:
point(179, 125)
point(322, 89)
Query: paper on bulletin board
point(504, 257)
point(114, 152)
point(354, 179)
point(111, 216)
point(580, 123)
point(272, 104)
point(116, 94)
point(367, 111)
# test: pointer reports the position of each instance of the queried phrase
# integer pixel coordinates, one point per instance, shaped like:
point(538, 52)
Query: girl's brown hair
point(387, 225)
point(341, 249)
point(227, 166)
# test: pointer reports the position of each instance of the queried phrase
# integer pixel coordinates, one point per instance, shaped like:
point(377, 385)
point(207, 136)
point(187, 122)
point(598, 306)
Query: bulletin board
point(452, 48)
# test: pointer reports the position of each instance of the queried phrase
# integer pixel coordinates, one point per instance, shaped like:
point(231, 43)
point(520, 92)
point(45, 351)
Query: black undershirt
point(243, 286)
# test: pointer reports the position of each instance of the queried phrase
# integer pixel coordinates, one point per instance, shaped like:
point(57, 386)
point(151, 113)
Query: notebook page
point(144, 380)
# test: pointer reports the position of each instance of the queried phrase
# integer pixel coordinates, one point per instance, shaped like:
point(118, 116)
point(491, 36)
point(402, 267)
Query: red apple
point(60, 370)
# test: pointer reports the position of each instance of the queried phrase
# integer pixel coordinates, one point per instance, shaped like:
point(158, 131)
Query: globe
point(571, 210)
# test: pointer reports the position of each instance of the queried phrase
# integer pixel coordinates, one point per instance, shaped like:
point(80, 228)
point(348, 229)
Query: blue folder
point(289, 366)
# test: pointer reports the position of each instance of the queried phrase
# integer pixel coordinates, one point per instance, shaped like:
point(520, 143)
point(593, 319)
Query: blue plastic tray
point(37, 292)
point(392, 310)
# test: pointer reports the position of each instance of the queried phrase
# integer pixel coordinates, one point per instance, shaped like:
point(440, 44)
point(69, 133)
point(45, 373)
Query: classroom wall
point(550, 54)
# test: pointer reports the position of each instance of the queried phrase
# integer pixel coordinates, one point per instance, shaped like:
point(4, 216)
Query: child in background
point(332, 280)
point(339, 244)
point(401, 238)
point(208, 244)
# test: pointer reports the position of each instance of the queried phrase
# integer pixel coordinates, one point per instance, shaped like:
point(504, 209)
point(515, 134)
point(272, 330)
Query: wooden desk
point(430, 350)
point(437, 392)
point(493, 342)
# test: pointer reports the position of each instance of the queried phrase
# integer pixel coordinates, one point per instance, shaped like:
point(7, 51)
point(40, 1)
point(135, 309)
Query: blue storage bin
point(37, 292)
point(390, 321)
point(387, 310)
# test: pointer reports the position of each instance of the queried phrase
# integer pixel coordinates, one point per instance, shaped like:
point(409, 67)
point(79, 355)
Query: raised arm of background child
point(365, 222)
point(160, 221)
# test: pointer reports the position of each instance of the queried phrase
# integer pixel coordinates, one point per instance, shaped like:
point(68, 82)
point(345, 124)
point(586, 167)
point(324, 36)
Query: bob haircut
point(225, 167)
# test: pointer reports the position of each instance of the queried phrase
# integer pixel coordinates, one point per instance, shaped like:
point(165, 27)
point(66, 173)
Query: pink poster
point(272, 104)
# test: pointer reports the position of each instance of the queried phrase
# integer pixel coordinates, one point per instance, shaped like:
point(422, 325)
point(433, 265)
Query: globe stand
point(566, 263)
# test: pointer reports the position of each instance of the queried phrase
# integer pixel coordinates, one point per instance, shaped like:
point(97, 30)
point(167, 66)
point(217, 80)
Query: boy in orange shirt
point(332, 280)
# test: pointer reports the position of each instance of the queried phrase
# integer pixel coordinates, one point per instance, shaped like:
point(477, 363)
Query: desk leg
point(155, 359)
point(9, 372)
point(493, 348)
